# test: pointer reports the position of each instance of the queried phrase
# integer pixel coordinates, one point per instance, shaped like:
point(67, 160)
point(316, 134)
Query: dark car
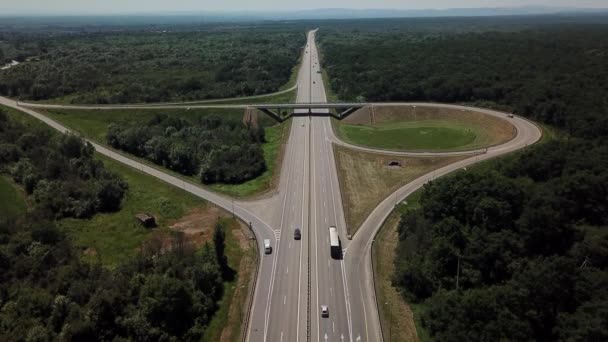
point(297, 234)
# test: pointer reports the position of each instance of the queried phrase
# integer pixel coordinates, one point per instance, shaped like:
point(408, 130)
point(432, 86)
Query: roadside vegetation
point(94, 124)
point(148, 63)
point(513, 250)
point(78, 279)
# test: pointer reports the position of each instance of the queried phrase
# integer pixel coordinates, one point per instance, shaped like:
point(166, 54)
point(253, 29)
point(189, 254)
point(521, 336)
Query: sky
point(130, 6)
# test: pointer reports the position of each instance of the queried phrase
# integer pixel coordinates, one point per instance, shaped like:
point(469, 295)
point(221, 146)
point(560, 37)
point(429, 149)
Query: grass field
point(93, 125)
point(287, 97)
point(366, 180)
point(115, 237)
point(423, 128)
point(428, 135)
point(12, 199)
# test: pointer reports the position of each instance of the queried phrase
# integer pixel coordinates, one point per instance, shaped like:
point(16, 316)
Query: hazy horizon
point(109, 7)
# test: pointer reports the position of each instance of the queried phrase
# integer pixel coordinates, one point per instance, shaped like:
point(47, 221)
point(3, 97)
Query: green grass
point(287, 97)
point(12, 199)
point(415, 135)
point(423, 334)
point(93, 124)
point(115, 237)
point(275, 137)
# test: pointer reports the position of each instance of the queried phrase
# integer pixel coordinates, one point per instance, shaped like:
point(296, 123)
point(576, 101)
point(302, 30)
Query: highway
point(299, 275)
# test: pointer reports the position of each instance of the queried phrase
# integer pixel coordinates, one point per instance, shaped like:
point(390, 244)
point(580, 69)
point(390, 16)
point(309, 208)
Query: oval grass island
point(423, 128)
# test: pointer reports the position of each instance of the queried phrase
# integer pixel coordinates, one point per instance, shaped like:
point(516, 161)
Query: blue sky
point(118, 6)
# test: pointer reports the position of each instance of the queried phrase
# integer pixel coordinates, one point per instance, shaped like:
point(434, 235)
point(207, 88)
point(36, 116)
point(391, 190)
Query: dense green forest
point(516, 249)
point(218, 150)
point(516, 253)
point(553, 73)
point(59, 171)
point(48, 293)
point(151, 65)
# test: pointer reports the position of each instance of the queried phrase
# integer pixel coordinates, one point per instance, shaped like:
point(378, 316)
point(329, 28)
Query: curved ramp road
point(300, 276)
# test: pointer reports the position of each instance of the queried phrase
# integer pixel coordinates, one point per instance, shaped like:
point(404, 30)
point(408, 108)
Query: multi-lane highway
point(300, 275)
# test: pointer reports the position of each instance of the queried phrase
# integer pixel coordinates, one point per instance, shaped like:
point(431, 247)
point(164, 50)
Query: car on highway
point(267, 247)
point(510, 115)
point(297, 234)
point(324, 311)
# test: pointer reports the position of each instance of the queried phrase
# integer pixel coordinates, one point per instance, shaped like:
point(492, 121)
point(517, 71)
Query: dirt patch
point(198, 221)
point(365, 180)
point(362, 116)
point(250, 118)
point(90, 252)
point(396, 317)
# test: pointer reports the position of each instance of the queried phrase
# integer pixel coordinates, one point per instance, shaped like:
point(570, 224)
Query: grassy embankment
point(12, 199)
point(366, 179)
point(112, 238)
point(400, 320)
point(93, 125)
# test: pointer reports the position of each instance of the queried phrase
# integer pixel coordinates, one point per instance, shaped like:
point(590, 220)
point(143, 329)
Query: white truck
point(334, 243)
point(267, 247)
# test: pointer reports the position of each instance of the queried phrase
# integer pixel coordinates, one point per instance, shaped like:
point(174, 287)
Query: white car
point(324, 311)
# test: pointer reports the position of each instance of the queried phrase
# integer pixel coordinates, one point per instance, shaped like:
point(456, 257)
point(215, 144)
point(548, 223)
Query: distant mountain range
point(346, 13)
point(327, 13)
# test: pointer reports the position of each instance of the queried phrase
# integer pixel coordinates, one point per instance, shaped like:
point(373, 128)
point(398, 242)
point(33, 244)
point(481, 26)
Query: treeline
point(47, 293)
point(553, 73)
point(169, 292)
point(135, 66)
point(217, 150)
point(59, 171)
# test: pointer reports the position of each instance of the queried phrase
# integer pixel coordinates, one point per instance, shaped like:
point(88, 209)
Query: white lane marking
point(331, 291)
point(344, 282)
point(281, 336)
point(284, 300)
point(333, 326)
point(274, 265)
point(287, 272)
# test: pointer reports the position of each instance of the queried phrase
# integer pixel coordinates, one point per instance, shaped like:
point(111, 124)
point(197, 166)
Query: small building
point(146, 220)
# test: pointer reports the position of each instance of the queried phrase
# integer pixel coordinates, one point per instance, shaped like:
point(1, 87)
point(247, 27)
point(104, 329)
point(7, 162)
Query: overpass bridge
point(282, 111)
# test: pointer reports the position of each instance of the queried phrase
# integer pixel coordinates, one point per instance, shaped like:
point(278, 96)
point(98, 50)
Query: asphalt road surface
point(300, 275)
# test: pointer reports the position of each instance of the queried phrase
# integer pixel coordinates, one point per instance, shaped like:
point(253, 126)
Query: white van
point(267, 248)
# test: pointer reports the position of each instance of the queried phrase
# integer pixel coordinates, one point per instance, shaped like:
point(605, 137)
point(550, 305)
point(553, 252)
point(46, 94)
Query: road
point(300, 276)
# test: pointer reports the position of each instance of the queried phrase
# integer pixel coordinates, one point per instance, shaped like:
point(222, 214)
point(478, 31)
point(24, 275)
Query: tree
point(219, 242)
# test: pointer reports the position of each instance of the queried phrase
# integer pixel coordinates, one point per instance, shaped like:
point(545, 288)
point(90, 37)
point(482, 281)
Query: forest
point(553, 73)
point(516, 249)
point(47, 292)
point(148, 64)
point(215, 149)
point(59, 171)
